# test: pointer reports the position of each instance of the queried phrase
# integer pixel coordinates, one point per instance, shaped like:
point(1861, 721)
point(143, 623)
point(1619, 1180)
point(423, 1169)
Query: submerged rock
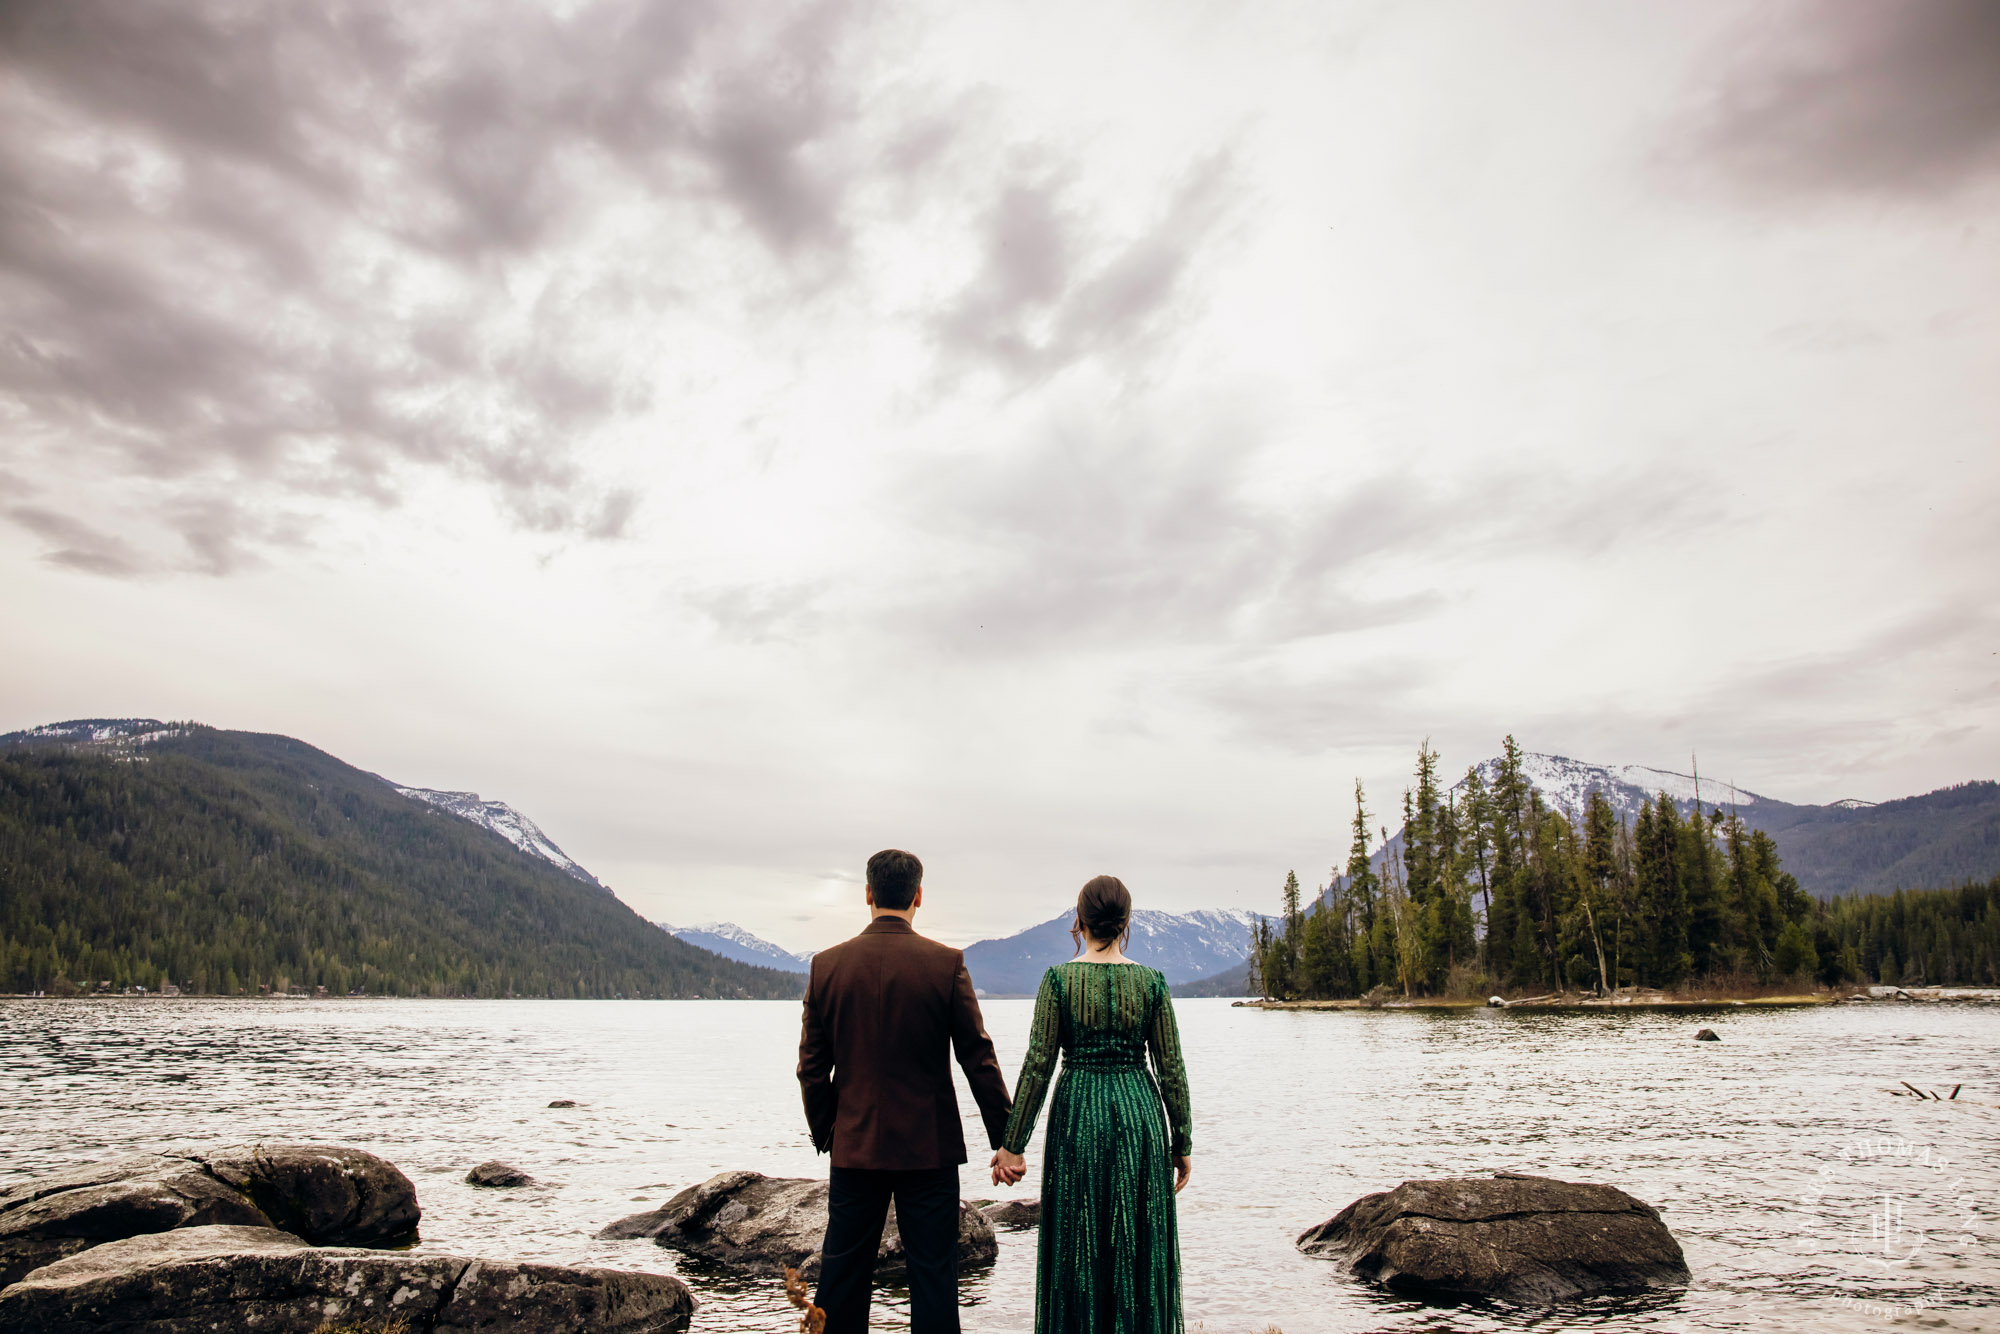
point(1527, 1239)
point(324, 1193)
point(756, 1224)
point(498, 1175)
point(1707, 1035)
point(1012, 1214)
point(563, 1102)
point(201, 1279)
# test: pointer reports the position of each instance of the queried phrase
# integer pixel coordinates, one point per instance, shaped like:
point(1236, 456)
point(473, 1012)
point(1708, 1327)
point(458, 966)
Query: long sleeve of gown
point(1044, 1041)
point(1163, 1040)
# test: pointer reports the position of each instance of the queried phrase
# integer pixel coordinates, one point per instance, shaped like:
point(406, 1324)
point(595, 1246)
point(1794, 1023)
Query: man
point(881, 1009)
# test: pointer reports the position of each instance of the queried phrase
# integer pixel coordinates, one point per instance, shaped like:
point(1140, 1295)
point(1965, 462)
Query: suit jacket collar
point(886, 925)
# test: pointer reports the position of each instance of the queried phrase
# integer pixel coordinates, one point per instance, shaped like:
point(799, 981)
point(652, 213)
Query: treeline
point(1490, 888)
point(229, 863)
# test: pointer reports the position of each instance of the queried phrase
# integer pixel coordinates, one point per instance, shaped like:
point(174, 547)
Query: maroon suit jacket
point(881, 1010)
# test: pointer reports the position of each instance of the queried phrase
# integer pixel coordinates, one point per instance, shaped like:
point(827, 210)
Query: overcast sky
point(1054, 438)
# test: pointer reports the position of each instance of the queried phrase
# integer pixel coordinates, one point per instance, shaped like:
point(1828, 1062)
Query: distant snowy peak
point(98, 733)
point(505, 821)
point(1204, 928)
point(1566, 784)
point(1184, 946)
point(733, 942)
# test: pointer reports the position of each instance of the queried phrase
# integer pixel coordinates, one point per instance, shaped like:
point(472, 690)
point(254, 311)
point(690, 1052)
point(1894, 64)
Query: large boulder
point(199, 1280)
point(1526, 1239)
point(323, 1193)
point(326, 1193)
point(754, 1224)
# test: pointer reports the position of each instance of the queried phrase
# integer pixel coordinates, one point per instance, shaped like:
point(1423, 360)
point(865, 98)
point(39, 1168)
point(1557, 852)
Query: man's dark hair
point(895, 876)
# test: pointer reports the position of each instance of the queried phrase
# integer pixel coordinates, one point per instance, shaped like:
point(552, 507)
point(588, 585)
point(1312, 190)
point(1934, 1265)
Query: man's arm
point(816, 1070)
point(975, 1056)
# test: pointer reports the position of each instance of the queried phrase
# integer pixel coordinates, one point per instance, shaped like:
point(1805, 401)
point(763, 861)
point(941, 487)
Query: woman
point(1109, 1251)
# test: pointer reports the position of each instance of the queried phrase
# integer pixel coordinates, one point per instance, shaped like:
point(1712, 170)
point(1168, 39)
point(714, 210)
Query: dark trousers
point(927, 1216)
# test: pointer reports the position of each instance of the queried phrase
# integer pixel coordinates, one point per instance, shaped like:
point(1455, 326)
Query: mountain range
point(495, 870)
point(1183, 946)
point(135, 853)
point(733, 942)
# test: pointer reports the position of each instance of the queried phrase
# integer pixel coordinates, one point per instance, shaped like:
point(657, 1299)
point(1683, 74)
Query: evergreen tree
point(1362, 889)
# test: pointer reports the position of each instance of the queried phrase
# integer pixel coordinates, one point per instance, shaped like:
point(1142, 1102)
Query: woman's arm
point(1044, 1041)
point(1163, 1042)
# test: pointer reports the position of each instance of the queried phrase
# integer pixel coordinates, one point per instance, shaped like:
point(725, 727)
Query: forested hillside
point(1942, 838)
point(230, 862)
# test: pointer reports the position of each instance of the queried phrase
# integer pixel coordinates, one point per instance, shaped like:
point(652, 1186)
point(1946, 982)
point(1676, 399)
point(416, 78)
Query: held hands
point(1183, 1169)
point(1008, 1168)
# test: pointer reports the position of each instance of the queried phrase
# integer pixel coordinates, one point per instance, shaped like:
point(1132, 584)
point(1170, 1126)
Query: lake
point(1805, 1196)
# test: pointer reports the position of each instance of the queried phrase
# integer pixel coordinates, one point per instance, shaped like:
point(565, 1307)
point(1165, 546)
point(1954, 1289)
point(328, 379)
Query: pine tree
point(1294, 933)
point(1362, 890)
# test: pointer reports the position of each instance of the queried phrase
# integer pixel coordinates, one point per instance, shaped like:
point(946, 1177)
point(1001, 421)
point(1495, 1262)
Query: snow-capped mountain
point(733, 942)
point(505, 821)
point(1183, 946)
point(1566, 784)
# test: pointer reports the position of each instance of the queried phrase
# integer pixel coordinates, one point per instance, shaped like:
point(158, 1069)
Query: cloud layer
point(1066, 438)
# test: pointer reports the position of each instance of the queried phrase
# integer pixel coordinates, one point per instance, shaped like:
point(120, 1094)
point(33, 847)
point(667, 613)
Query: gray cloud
point(1049, 293)
point(1853, 95)
point(1161, 536)
point(270, 251)
point(75, 545)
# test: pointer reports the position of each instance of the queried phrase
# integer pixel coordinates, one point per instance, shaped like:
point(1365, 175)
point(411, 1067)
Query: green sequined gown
point(1110, 1260)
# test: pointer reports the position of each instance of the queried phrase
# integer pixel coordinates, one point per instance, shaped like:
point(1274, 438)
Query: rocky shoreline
point(309, 1238)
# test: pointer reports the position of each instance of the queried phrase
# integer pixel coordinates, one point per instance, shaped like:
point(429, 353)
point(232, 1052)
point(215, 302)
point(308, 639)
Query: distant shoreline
point(1716, 1001)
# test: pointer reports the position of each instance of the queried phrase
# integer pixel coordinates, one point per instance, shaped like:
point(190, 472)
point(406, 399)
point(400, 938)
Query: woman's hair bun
point(1103, 910)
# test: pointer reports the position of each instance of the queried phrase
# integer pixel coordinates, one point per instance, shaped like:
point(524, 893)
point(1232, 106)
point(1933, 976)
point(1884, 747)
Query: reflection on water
point(1805, 1196)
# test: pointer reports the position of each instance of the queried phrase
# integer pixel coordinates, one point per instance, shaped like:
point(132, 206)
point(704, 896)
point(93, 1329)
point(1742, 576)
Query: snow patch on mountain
point(505, 821)
point(101, 733)
point(1566, 784)
point(1183, 946)
point(733, 942)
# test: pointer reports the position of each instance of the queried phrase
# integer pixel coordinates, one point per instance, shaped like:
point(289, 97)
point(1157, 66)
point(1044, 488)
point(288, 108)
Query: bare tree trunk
point(1603, 982)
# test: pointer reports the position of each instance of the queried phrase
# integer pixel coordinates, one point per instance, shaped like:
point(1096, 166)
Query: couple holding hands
point(884, 1014)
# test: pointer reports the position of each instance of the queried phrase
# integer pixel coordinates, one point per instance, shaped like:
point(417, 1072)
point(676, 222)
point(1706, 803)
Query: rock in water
point(202, 1279)
point(1013, 1214)
point(1707, 1035)
point(323, 1193)
point(1527, 1239)
point(497, 1174)
point(328, 1194)
point(756, 1224)
point(563, 1102)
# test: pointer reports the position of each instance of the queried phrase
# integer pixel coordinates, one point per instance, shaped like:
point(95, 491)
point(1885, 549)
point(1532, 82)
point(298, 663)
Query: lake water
point(1805, 1196)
